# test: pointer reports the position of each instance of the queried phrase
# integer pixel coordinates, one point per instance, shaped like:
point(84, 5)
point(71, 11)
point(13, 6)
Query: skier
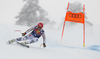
point(33, 36)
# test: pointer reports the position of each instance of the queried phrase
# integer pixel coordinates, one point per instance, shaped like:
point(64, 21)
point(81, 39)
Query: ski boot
point(11, 41)
point(24, 43)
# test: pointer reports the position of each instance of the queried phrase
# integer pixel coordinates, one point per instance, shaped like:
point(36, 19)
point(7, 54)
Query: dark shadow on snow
point(95, 48)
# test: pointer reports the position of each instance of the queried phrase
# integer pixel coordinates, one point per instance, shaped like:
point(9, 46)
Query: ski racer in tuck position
point(35, 33)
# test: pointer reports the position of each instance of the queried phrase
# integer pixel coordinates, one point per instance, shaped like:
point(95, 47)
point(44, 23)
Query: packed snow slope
point(71, 47)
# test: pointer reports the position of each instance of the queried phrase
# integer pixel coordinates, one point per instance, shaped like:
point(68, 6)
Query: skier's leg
point(34, 40)
point(19, 39)
point(31, 38)
point(15, 40)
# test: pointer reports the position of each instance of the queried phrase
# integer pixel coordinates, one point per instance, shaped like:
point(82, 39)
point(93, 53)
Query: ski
point(23, 44)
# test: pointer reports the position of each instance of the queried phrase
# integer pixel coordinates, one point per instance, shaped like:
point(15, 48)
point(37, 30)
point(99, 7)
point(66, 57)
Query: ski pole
point(18, 31)
point(41, 44)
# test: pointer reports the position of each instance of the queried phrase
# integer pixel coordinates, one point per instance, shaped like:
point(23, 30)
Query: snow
point(72, 44)
point(71, 47)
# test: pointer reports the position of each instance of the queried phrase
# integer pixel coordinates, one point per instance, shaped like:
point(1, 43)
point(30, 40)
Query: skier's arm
point(44, 40)
point(32, 28)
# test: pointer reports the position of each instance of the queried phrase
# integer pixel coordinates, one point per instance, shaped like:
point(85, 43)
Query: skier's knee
point(19, 39)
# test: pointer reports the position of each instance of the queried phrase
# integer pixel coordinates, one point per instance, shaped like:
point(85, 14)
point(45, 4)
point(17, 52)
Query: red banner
point(74, 17)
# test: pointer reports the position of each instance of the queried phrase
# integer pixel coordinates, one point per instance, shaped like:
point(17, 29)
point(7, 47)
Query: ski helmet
point(40, 25)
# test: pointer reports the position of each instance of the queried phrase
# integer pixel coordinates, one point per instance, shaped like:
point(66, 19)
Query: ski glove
point(44, 45)
point(23, 34)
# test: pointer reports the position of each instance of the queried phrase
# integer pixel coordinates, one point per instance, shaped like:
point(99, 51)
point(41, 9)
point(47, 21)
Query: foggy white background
point(72, 39)
point(56, 9)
